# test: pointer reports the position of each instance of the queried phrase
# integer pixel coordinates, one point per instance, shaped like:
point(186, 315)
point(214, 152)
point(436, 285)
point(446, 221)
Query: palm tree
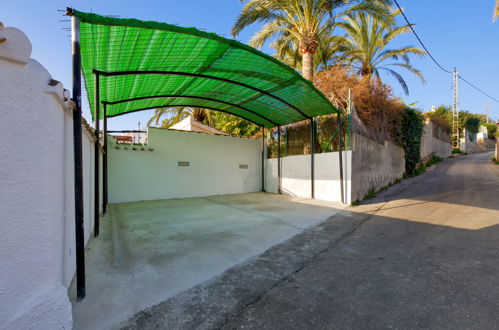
point(365, 46)
point(325, 54)
point(301, 23)
point(177, 114)
point(496, 10)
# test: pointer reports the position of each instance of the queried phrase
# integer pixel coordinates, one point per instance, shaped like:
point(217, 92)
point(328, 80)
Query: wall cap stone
point(14, 45)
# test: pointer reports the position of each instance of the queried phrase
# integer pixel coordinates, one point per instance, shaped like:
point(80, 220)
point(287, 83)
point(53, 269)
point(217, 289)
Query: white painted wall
point(37, 245)
point(296, 174)
point(136, 175)
point(368, 165)
point(35, 208)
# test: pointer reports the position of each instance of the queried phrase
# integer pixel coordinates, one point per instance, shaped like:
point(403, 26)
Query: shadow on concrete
point(354, 271)
point(150, 251)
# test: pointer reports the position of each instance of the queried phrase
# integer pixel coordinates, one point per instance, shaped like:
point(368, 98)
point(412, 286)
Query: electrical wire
point(434, 60)
point(478, 89)
point(419, 39)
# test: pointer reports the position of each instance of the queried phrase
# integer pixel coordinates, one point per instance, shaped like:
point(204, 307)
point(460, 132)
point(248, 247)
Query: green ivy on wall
point(409, 134)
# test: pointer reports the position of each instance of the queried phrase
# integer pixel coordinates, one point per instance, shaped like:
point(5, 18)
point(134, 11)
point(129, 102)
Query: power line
point(478, 89)
point(419, 39)
point(434, 60)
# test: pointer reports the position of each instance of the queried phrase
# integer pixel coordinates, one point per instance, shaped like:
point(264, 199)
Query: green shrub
point(409, 133)
point(491, 130)
point(420, 170)
point(472, 124)
point(434, 160)
point(370, 194)
point(457, 151)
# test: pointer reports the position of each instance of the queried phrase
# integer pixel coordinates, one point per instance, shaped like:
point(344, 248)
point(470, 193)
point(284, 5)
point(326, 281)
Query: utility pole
point(455, 111)
point(488, 111)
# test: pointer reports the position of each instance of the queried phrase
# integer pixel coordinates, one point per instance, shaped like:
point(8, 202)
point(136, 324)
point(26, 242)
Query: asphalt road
point(427, 258)
point(422, 255)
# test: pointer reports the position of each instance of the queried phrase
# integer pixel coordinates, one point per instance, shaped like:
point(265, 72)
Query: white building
point(189, 124)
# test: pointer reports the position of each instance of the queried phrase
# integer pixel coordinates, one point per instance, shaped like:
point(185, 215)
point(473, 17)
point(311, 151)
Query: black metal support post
point(96, 155)
point(279, 159)
point(312, 153)
point(78, 159)
point(104, 162)
point(263, 159)
point(340, 141)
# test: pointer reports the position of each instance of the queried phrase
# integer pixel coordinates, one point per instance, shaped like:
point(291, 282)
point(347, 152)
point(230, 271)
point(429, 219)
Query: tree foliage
point(366, 46)
point(234, 125)
point(374, 102)
point(472, 124)
point(496, 10)
point(224, 122)
point(300, 26)
point(491, 130)
point(176, 114)
point(468, 120)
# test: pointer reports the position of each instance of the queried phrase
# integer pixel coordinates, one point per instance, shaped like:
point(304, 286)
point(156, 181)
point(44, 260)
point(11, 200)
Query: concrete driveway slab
point(150, 251)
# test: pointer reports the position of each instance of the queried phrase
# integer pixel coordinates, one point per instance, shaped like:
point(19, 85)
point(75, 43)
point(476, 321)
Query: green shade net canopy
point(146, 65)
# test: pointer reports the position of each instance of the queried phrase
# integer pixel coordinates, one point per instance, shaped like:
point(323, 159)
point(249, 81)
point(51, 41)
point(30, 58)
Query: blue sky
point(459, 33)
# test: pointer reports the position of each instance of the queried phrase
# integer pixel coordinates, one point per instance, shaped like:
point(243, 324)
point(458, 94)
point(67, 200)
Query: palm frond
point(365, 45)
point(399, 78)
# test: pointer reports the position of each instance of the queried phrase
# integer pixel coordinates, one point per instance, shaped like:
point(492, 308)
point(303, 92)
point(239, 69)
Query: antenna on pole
point(455, 111)
point(488, 111)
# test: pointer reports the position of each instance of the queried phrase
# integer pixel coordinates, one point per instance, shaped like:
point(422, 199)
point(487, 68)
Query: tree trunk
point(307, 68)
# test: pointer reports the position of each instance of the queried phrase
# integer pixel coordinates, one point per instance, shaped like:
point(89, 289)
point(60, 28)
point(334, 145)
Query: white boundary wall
point(136, 175)
point(296, 174)
point(37, 235)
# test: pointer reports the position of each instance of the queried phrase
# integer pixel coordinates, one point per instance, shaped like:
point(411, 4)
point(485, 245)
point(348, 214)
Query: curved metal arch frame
point(184, 105)
point(197, 75)
point(77, 133)
point(167, 96)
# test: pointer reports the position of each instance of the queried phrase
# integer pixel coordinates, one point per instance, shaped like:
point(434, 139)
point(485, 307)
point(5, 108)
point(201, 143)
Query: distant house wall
point(469, 143)
point(214, 167)
point(483, 141)
point(189, 124)
point(37, 244)
point(435, 141)
point(374, 165)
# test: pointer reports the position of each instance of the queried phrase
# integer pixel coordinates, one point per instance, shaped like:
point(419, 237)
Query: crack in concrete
point(263, 215)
